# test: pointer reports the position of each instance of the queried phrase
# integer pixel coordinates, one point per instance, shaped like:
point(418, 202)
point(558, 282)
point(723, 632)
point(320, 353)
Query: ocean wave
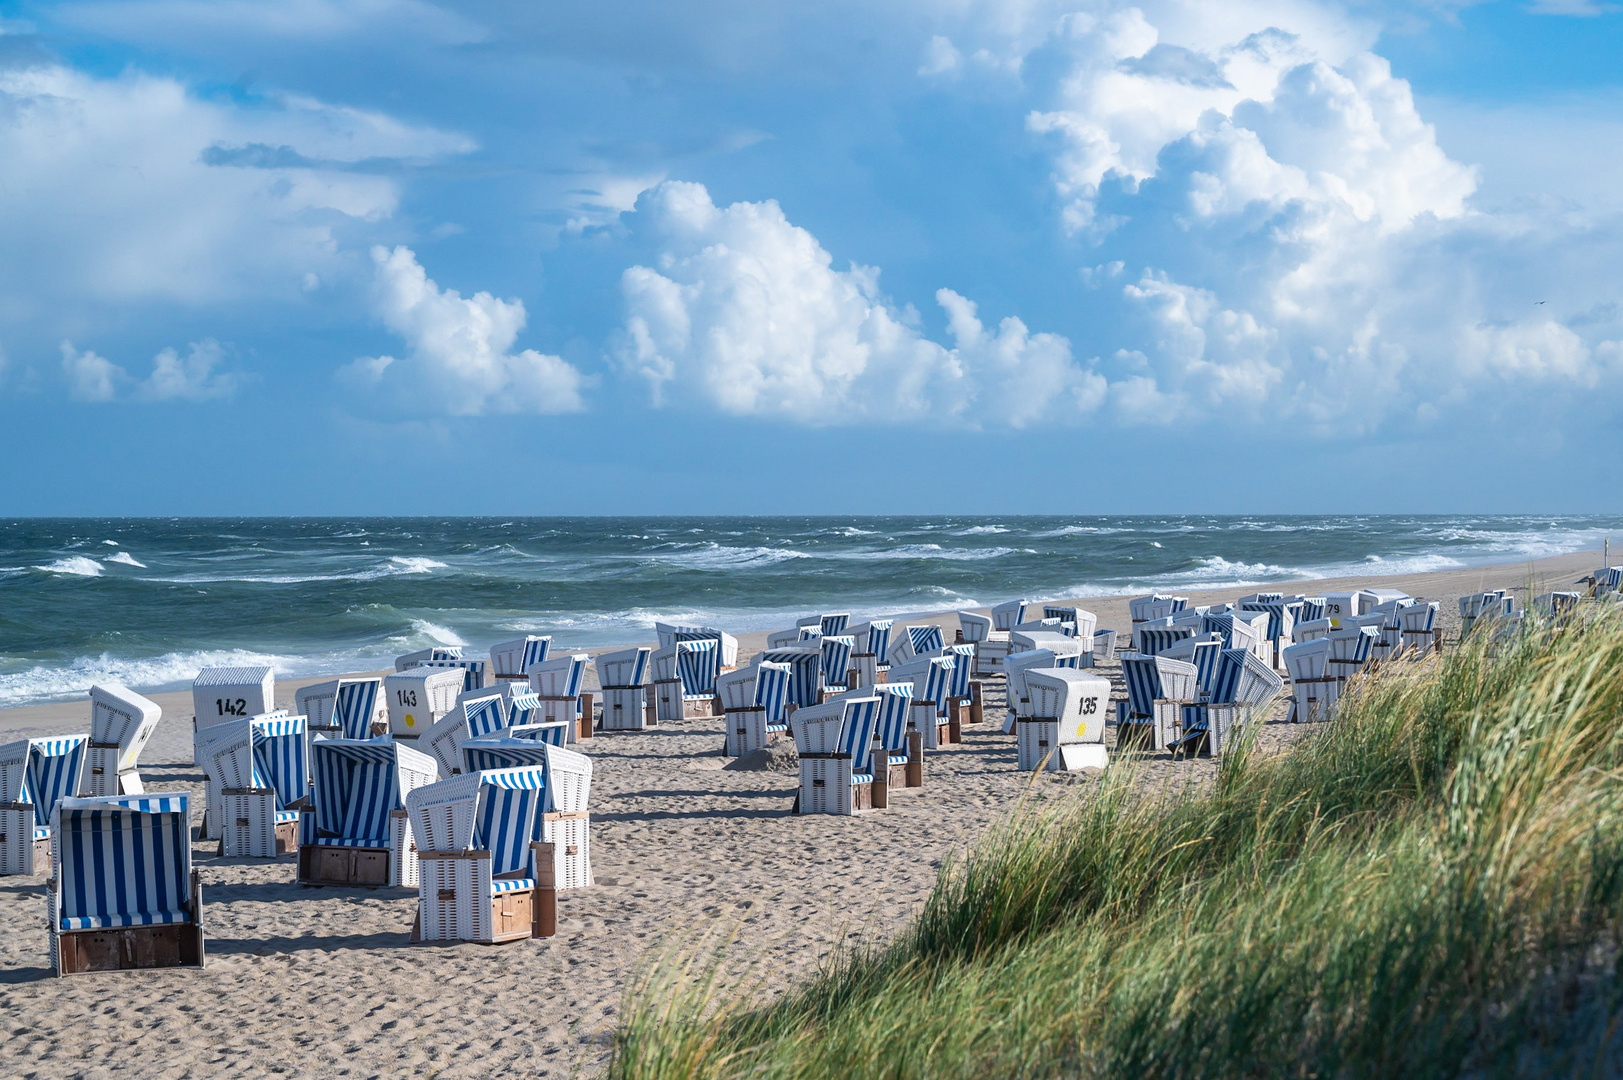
point(921, 551)
point(73, 566)
point(440, 635)
point(397, 566)
point(175, 669)
point(124, 558)
point(713, 556)
point(110, 543)
point(1078, 530)
point(981, 530)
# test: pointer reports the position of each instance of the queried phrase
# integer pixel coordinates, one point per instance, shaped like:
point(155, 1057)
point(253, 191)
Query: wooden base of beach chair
point(18, 853)
point(895, 775)
point(130, 948)
point(977, 706)
point(332, 865)
point(915, 759)
point(957, 712)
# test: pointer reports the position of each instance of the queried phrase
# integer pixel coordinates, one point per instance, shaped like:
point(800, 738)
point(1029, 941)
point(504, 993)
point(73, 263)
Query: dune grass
point(1431, 885)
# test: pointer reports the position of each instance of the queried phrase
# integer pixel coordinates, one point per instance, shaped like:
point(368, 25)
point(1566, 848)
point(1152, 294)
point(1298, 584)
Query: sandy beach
point(323, 982)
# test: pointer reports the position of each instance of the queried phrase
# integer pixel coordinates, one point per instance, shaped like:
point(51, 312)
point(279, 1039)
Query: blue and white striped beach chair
point(685, 680)
point(34, 775)
point(1350, 649)
point(1314, 690)
point(835, 741)
point(805, 673)
point(836, 661)
point(475, 672)
point(259, 778)
point(559, 683)
point(122, 892)
point(357, 832)
point(434, 652)
point(753, 701)
point(1607, 580)
point(925, 640)
point(891, 731)
point(566, 820)
point(931, 677)
point(1281, 620)
point(420, 697)
point(478, 838)
point(870, 645)
point(1204, 652)
point(342, 708)
point(513, 660)
point(725, 642)
point(1157, 689)
point(1154, 640)
point(1016, 695)
point(623, 676)
point(1419, 629)
point(481, 713)
point(1066, 728)
point(121, 723)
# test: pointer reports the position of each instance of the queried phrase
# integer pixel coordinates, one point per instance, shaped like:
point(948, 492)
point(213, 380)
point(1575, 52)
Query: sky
point(629, 257)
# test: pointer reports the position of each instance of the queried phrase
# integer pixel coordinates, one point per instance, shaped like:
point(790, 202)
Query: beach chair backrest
point(1078, 701)
point(1419, 618)
point(836, 658)
point(509, 816)
point(856, 732)
point(963, 670)
point(805, 678)
point(975, 627)
point(816, 728)
point(1352, 644)
point(122, 860)
point(120, 716)
point(355, 706)
point(280, 757)
point(895, 703)
point(525, 708)
point(568, 774)
point(358, 784)
point(698, 663)
point(772, 689)
point(561, 676)
point(555, 732)
point(42, 771)
point(1155, 606)
point(1152, 641)
point(1152, 678)
point(475, 673)
point(878, 643)
point(433, 652)
point(511, 659)
point(1310, 629)
point(1014, 672)
point(1008, 615)
point(627, 667)
point(926, 640)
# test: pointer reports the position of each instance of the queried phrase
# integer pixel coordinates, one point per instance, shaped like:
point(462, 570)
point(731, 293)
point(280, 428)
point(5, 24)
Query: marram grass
point(1431, 885)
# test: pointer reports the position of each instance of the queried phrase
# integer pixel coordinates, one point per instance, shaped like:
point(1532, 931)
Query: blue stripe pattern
point(834, 625)
point(1311, 610)
point(55, 768)
point(772, 690)
point(555, 732)
point(123, 861)
point(485, 715)
point(525, 709)
point(535, 652)
point(508, 816)
point(836, 659)
point(1155, 640)
point(879, 637)
point(856, 733)
point(963, 668)
point(926, 639)
point(895, 702)
point(357, 784)
point(805, 671)
point(355, 705)
point(697, 664)
point(279, 757)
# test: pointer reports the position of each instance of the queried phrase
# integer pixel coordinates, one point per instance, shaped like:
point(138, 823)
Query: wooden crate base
point(130, 948)
point(325, 865)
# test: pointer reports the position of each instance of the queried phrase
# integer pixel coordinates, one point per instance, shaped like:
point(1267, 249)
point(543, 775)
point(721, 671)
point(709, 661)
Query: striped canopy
point(930, 677)
point(525, 709)
point(926, 639)
point(354, 706)
point(772, 690)
point(555, 732)
point(856, 733)
point(1312, 609)
point(895, 701)
point(697, 665)
point(836, 659)
point(279, 758)
point(122, 860)
point(42, 771)
point(357, 785)
point(485, 714)
point(963, 668)
point(805, 673)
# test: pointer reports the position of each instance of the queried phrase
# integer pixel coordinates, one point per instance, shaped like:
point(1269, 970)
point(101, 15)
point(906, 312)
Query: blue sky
point(388, 256)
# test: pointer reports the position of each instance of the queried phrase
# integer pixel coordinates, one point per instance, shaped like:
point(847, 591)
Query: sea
point(149, 601)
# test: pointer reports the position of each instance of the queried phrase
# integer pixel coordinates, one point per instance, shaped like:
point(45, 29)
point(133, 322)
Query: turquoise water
point(149, 601)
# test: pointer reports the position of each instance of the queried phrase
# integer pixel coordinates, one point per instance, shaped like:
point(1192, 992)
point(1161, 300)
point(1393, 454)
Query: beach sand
point(323, 982)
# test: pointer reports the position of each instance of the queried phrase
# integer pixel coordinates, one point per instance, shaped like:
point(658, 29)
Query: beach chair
point(1607, 581)
point(1388, 633)
point(420, 697)
point(343, 708)
point(1555, 605)
point(122, 893)
point(1243, 686)
point(624, 678)
point(925, 641)
point(1015, 694)
point(435, 652)
point(1314, 689)
point(220, 694)
point(1154, 640)
point(1235, 629)
point(357, 832)
point(783, 639)
point(1311, 629)
point(121, 723)
point(557, 682)
point(1066, 728)
point(870, 645)
point(480, 713)
point(512, 660)
point(826, 625)
point(754, 701)
point(725, 642)
point(1055, 641)
point(475, 672)
point(1341, 606)
point(991, 651)
point(930, 676)
point(1204, 652)
point(685, 680)
point(1477, 607)
point(805, 673)
point(481, 856)
point(1281, 620)
point(34, 775)
point(566, 821)
point(1157, 691)
point(894, 737)
point(1104, 646)
point(963, 689)
point(836, 661)
point(1078, 622)
point(1350, 649)
point(835, 742)
point(1419, 629)
point(259, 779)
point(1154, 608)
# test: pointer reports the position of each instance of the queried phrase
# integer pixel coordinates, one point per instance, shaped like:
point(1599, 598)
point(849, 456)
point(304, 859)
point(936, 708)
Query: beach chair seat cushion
point(42, 832)
point(350, 841)
point(502, 885)
point(125, 918)
point(285, 816)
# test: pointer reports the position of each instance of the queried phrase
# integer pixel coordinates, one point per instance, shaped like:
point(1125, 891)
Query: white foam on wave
point(441, 635)
point(110, 543)
point(73, 566)
point(124, 558)
point(42, 683)
point(981, 530)
point(397, 565)
point(713, 556)
point(415, 564)
point(1078, 530)
point(922, 551)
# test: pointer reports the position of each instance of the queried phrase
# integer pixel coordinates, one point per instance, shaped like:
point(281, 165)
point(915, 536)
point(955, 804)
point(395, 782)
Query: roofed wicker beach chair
point(1078, 622)
point(827, 624)
point(931, 677)
point(754, 701)
point(1555, 605)
point(486, 874)
point(231, 693)
point(805, 673)
point(1314, 689)
point(1066, 728)
point(1032, 636)
point(512, 660)
point(558, 682)
point(1154, 640)
point(1482, 606)
point(991, 650)
point(1157, 690)
point(1388, 633)
point(1244, 684)
point(685, 680)
point(783, 639)
point(480, 713)
point(123, 893)
point(870, 645)
point(343, 708)
point(34, 775)
point(1281, 612)
point(259, 779)
point(1420, 632)
point(964, 690)
point(121, 723)
point(1104, 646)
point(566, 821)
point(1015, 668)
point(896, 739)
point(357, 833)
point(433, 652)
point(836, 661)
point(623, 675)
point(926, 640)
point(671, 635)
point(1151, 609)
point(1607, 581)
point(1350, 649)
point(1311, 629)
point(1204, 652)
point(475, 671)
point(1238, 629)
point(420, 697)
point(835, 741)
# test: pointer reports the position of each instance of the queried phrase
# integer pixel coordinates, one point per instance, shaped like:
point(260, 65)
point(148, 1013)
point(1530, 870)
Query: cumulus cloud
point(459, 358)
point(93, 378)
point(1302, 245)
point(746, 313)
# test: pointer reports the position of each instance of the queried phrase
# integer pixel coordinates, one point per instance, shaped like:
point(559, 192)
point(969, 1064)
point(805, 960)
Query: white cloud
point(459, 360)
point(94, 378)
point(746, 314)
